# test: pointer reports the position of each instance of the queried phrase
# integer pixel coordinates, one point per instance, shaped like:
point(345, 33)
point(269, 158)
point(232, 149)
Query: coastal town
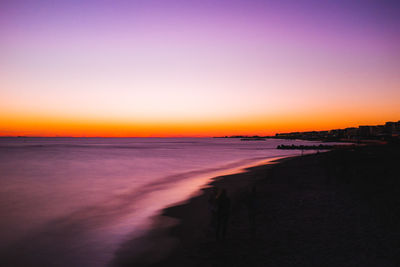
point(385, 132)
point(389, 130)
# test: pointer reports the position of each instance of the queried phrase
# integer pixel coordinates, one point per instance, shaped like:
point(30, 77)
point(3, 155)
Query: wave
point(59, 242)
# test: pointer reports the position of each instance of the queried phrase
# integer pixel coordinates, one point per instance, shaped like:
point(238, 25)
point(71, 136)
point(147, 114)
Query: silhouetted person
point(213, 206)
point(223, 212)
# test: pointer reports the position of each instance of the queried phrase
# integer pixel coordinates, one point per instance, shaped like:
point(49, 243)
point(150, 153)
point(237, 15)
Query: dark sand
point(340, 208)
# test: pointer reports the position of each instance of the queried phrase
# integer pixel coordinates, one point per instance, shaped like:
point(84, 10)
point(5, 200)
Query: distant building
point(337, 133)
point(351, 133)
point(365, 131)
point(378, 130)
point(392, 128)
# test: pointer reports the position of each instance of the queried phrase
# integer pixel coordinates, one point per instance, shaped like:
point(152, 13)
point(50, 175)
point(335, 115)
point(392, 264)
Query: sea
point(76, 201)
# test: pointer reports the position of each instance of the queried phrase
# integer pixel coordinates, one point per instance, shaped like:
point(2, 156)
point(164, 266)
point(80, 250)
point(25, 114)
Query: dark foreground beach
point(339, 208)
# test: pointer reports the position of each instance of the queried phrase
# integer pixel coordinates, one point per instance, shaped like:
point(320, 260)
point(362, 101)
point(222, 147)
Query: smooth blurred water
point(73, 201)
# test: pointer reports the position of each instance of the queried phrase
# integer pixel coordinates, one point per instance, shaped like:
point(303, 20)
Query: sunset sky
point(196, 68)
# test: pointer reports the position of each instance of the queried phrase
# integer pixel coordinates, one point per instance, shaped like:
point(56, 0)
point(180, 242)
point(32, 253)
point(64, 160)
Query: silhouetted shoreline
point(339, 208)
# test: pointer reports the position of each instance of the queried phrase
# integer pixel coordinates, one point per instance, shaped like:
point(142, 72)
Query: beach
point(337, 208)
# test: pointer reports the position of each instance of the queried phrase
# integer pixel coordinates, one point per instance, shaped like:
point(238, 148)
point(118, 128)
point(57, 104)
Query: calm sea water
point(74, 201)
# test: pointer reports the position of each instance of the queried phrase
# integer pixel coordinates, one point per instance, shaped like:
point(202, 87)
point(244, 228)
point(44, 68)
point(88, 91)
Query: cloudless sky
point(196, 68)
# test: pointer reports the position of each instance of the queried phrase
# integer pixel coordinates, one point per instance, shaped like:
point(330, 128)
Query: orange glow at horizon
point(72, 127)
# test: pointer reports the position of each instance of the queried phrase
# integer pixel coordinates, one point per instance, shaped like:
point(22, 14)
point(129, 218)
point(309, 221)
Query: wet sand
point(339, 208)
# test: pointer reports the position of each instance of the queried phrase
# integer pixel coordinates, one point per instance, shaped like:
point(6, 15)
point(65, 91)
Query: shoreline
point(337, 208)
point(169, 233)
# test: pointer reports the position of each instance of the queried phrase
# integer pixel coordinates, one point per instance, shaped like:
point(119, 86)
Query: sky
point(196, 68)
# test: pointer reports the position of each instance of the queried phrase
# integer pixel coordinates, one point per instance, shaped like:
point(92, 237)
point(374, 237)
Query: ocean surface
point(75, 201)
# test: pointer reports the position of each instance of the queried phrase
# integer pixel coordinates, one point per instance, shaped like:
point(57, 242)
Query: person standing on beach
point(212, 207)
point(223, 212)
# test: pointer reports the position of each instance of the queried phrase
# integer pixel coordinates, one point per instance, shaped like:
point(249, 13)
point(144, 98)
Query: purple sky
point(179, 61)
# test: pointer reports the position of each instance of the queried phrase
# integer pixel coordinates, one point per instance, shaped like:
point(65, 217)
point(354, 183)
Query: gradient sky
point(196, 68)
